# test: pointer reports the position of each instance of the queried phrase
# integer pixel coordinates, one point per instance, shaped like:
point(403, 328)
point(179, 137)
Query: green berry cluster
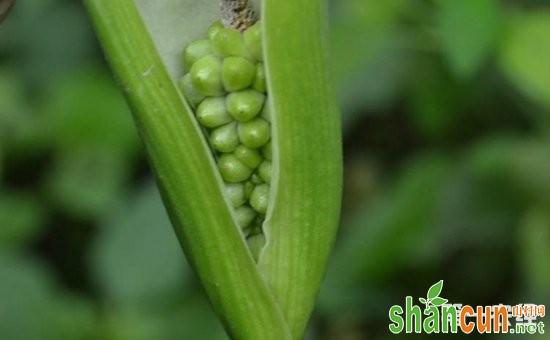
point(225, 83)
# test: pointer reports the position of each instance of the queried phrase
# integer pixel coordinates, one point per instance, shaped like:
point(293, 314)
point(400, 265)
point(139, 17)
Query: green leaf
point(21, 218)
point(534, 243)
point(435, 290)
point(33, 308)
point(85, 110)
point(468, 32)
point(439, 301)
point(88, 183)
point(136, 259)
point(525, 54)
point(423, 300)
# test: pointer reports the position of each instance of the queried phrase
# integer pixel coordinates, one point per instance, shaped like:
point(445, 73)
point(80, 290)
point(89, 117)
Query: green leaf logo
point(435, 290)
point(439, 301)
point(433, 299)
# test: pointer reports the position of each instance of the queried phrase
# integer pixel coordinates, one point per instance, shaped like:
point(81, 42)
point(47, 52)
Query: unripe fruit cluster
point(226, 85)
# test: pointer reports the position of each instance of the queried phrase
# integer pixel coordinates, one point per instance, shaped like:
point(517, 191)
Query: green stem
point(186, 174)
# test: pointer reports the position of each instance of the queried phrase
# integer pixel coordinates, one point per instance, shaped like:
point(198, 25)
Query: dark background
point(446, 118)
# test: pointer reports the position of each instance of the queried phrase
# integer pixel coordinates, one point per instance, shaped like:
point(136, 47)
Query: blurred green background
point(446, 118)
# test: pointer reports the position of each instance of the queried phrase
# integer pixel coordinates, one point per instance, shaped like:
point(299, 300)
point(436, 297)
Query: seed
point(259, 80)
point(225, 138)
point(212, 113)
point(189, 92)
point(264, 170)
point(253, 41)
point(232, 169)
point(206, 76)
point(228, 42)
point(245, 105)
point(267, 151)
point(237, 73)
point(251, 157)
point(195, 51)
point(235, 193)
point(244, 216)
point(266, 112)
point(260, 198)
point(214, 29)
point(256, 243)
point(248, 188)
point(254, 133)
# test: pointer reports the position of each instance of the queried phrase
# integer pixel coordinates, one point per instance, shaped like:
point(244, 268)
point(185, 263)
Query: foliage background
point(446, 114)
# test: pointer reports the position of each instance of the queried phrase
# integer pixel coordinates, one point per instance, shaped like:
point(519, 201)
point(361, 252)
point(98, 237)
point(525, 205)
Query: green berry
point(228, 42)
point(254, 133)
point(251, 157)
point(256, 179)
point(206, 76)
point(253, 40)
point(259, 80)
point(245, 105)
point(267, 151)
point(189, 92)
point(214, 29)
point(248, 188)
point(256, 243)
point(225, 138)
point(235, 193)
point(195, 51)
point(266, 112)
point(260, 198)
point(232, 169)
point(212, 113)
point(244, 216)
point(264, 170)
point(237, 73)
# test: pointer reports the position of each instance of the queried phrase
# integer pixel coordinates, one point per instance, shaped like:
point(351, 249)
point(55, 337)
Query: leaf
point(439, 301)
point(136, 259)
point(423, 300)
point(534, 251)
point(525, 54)
point(88, 183)
point(85, 110)
point(21, 218)
point(33, 308)
point(435, 290)
point(468, 31)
